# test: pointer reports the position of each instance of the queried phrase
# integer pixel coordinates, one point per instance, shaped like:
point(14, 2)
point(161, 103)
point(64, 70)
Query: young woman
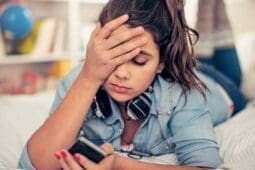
point(137, 90)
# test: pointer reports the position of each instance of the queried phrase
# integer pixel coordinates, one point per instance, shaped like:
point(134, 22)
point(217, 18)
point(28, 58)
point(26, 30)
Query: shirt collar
point(164, 97)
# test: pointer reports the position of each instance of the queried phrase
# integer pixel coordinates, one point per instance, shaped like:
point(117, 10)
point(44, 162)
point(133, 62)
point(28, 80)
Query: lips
point(119, 89)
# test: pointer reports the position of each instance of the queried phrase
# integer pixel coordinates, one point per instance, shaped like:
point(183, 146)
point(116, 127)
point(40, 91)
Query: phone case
point(88, 149)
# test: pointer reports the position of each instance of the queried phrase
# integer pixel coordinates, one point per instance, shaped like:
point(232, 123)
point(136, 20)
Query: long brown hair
point(166, 21)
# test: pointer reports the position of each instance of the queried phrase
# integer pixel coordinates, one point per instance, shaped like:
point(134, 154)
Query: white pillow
point(236, 138)
point(20, 116)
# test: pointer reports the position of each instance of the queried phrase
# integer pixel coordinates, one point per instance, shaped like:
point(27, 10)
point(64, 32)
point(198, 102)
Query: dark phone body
point(88, 149)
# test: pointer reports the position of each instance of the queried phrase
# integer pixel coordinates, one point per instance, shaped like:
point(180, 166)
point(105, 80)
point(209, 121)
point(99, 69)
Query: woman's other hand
point(80, 162)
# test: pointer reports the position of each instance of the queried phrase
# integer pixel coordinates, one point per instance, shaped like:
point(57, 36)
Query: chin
point(120, 98)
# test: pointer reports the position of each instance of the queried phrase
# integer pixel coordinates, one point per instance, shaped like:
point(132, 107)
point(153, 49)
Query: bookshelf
point(30, 59)
point(79, 1)
point(75, 14)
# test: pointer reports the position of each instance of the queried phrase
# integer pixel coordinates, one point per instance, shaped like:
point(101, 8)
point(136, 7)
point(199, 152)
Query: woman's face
point(134, 77)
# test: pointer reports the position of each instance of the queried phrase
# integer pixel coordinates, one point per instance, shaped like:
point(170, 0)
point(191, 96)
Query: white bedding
point(20, 116)
point(236, 138)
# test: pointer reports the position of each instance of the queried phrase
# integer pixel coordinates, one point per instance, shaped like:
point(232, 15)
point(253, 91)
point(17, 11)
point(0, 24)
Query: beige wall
point(242, 16)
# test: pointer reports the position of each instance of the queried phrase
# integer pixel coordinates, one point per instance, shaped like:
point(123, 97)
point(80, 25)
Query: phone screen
point(88, 149)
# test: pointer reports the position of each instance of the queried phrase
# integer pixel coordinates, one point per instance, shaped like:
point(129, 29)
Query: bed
point(21, 115)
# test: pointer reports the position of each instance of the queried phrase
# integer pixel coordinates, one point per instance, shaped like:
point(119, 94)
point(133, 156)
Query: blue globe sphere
point(16, 22)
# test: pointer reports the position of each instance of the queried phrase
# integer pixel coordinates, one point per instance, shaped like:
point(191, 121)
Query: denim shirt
point(174, 125)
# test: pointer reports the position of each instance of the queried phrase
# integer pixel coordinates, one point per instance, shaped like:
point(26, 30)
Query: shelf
point(49, 0)
point(26, 59)
point(94, 1)
point(76, 1)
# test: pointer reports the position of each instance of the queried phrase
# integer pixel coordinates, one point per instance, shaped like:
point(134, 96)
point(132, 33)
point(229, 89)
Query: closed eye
point(140, 60)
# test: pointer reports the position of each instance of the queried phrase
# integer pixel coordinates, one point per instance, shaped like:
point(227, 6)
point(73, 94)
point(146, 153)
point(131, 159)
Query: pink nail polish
point(57, 155)
point(77, 158)
point(63, 154)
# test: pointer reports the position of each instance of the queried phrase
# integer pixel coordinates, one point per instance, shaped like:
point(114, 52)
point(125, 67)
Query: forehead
point(151, 43)
point(126, 27)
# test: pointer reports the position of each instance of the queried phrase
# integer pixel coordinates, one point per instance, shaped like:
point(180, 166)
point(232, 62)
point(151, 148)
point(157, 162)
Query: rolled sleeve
point(193, 133)
point(25, 162)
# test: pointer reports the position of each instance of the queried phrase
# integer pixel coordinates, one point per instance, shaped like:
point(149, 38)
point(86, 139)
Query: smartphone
point(88, 149)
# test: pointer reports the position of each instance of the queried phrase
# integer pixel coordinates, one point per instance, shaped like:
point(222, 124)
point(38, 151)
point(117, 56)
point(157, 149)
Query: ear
point(161, 66)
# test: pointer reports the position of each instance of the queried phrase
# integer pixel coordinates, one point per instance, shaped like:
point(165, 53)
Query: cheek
point(149, 71)
point(144, 78)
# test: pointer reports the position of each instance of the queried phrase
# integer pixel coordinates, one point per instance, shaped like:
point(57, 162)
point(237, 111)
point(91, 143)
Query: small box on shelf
point(30, 78)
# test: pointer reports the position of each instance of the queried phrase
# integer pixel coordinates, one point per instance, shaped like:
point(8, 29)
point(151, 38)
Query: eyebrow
point(146, 53)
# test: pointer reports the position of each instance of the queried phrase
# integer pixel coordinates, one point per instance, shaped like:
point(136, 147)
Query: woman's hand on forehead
point(107, 29)
point(110, 46)
point(124, 27)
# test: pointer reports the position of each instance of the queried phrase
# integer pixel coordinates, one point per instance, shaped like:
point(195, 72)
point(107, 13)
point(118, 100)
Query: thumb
point(108, 148)
point(108, 162)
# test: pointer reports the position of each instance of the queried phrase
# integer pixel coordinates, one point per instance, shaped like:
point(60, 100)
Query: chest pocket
point(97, 131)
point(164, 145)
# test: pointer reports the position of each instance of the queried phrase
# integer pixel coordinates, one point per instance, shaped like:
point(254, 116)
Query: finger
point(85, 162)
point(121, 37)
point(61, 158)
point(63, 164)
point(108, 161)
point(121, 29)
point(68, 158)
point(128, 46)
point(107, 147)
point(112, 25)
point(124, 58)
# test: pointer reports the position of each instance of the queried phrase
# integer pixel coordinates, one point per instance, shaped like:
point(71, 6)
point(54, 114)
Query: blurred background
point(41, 40)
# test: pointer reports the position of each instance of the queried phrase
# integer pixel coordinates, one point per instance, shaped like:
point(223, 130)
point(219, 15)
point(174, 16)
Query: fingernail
point(77, 158)
point(57, 155)
point(125, 16)
point(63, 154)
point(140, 28)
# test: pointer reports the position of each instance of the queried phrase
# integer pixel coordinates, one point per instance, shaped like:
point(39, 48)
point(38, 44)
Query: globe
point(16, 21)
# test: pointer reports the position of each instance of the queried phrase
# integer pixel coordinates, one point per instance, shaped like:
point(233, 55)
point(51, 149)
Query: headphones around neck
point(137, 108)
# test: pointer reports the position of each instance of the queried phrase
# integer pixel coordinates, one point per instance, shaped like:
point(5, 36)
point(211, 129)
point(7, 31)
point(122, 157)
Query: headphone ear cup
point(103, 104)
point(139, 108)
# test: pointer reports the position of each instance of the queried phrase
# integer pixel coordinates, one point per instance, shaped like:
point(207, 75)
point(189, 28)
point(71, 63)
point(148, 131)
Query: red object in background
point(30, 82)
point(5, 85)
point(16, 90)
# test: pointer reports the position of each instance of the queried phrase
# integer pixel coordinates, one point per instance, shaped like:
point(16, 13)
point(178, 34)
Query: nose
point(122, 72)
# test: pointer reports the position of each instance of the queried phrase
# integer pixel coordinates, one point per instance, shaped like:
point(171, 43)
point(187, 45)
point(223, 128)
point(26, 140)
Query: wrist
point(90, 79)
point(119, 163)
